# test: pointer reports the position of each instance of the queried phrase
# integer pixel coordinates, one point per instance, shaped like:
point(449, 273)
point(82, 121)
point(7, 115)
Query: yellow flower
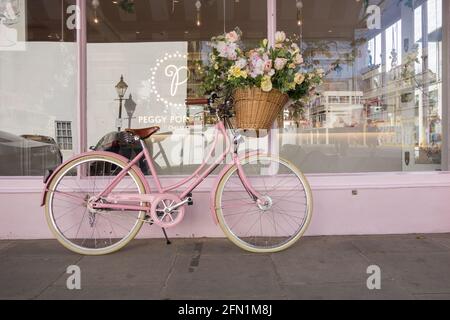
point(236, 72)
point(292, 66)
point(299, 78)
point(266, 84)
point(216, 66)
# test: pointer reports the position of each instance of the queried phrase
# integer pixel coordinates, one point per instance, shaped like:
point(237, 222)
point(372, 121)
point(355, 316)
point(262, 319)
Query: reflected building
point(337, 109)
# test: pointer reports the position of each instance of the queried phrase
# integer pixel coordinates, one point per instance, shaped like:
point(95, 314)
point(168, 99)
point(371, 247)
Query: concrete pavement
point(412, 267)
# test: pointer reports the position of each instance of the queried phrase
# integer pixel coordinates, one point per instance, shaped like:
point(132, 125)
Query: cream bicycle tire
point(50, 217)
point(239, 242)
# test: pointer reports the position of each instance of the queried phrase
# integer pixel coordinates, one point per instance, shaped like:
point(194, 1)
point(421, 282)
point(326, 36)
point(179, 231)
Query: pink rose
point(232, 36)
point(267, 63)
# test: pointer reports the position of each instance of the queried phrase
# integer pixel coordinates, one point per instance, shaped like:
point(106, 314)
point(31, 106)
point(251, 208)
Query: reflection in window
point(380, 108)
point(394, 45)
point(64, 135)
point(38, 84)
point(160, 48)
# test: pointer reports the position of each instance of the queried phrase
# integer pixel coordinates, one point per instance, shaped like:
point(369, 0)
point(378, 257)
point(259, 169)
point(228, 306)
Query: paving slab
point(122, 268)
point(37, 248)
point(412, 267)
point(5, 245)
point(398, 244)
point(147, 291)
point(441, 239)
point(28, 277)
point(321, 260)
point(226, 277)
point(419, 273)
point(435, 296)
point(211, 247)
point(347, 291)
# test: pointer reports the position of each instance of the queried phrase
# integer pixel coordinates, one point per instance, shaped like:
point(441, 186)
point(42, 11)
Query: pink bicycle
point(97, 202)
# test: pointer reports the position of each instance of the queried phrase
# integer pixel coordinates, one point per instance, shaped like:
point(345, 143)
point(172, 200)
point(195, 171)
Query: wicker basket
point(256, 109)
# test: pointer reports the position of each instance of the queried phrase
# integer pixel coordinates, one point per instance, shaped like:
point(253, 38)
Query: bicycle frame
point(118, 201)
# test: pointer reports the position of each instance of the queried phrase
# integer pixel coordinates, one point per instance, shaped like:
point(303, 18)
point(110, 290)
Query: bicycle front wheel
point(271, 225)
point(77, 226)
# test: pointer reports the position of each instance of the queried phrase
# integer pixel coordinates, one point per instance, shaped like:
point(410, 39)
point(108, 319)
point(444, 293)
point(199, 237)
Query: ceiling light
point(198, 6)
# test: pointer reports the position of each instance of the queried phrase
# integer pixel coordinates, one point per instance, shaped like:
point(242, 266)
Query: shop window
point(160, 47)
point(38, 84)
point(379, 110)
point(392, 74)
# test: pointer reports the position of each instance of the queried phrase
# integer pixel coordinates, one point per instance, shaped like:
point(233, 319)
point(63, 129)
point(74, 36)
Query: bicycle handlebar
point(193, 102)
point(202, 101)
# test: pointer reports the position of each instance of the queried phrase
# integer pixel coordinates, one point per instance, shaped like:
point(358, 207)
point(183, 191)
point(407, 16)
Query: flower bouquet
point(261, 80)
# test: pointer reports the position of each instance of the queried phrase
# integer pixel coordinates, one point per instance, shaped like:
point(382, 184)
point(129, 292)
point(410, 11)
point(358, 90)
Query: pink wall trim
point(337, 212)
point(386, 203)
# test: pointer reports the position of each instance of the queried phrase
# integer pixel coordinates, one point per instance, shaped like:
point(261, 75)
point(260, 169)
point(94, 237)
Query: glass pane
point(37, 83)
point(159, 47)
point(380, 108)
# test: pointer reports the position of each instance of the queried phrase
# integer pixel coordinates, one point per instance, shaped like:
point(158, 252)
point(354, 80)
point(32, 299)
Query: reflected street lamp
point(121, 89)
point(130, 107)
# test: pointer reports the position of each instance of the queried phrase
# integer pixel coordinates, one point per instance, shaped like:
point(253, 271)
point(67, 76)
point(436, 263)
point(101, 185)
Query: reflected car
point(28, 155)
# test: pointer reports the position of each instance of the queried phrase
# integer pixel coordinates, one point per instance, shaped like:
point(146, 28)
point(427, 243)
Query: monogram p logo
point(174, 72)
point(168, 79)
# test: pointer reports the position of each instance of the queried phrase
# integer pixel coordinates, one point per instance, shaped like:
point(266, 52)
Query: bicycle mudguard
point(212, 203)
point(212, 199)
point(94, 153)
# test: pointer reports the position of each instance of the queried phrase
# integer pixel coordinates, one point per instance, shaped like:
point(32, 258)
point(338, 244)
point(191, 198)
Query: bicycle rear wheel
point(267, 227)
point(84, 230)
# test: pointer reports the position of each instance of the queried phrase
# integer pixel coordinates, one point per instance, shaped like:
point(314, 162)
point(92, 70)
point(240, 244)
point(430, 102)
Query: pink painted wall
point(385, 204)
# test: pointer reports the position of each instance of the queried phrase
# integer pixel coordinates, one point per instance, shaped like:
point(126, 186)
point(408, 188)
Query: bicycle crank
point(167, 210)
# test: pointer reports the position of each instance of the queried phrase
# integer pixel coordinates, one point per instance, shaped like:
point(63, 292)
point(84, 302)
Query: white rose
point(280, 37)
point(298, 59)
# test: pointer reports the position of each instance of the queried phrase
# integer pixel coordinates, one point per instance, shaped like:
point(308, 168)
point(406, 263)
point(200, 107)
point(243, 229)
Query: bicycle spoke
point(89, 229)
point(277, 218)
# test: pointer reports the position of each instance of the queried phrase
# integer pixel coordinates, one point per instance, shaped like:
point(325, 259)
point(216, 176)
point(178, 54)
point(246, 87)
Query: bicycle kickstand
point(167, 238)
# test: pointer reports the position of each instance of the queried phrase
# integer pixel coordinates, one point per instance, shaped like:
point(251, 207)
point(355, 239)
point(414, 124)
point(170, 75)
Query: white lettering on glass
point(173, 72)
point(374, 18)
point(73, 21)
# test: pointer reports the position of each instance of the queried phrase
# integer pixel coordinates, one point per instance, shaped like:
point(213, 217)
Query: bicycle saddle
point(143, 133)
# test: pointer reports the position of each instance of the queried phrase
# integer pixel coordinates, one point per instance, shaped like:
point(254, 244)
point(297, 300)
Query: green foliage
point(267, 67)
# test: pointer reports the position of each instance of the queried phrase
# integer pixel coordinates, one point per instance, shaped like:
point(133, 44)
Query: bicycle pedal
point(148, 220)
